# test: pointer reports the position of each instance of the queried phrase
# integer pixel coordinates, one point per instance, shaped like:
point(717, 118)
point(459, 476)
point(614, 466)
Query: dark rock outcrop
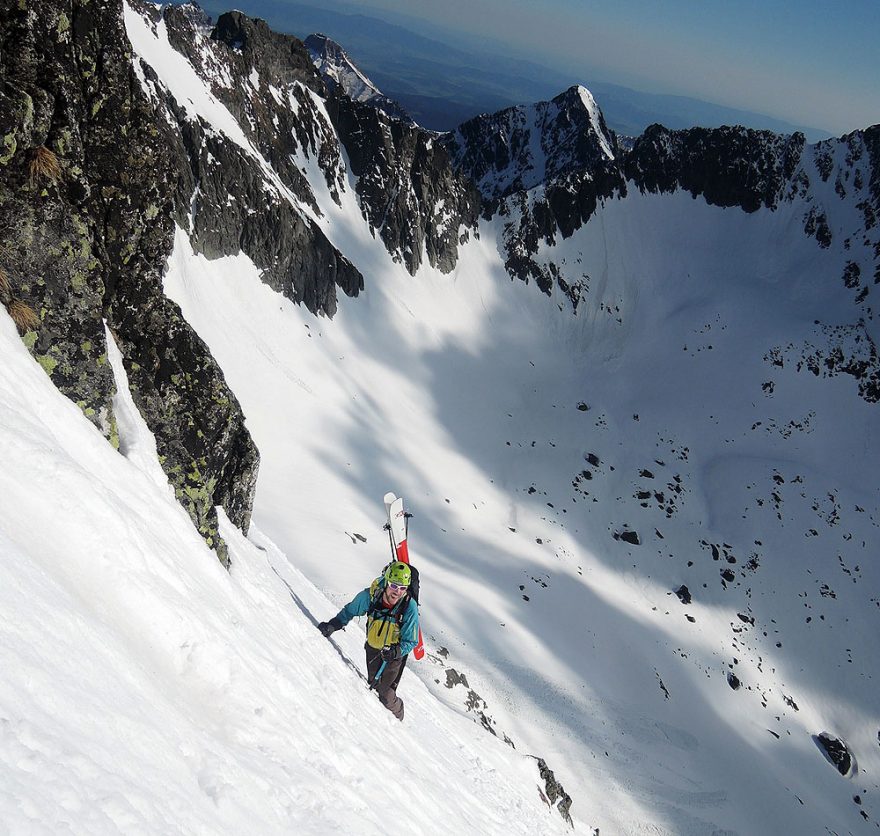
point(521, 147)
point(283, 58)
point(409, 192)
point(726, 166)
point(65, 77)
point(253, 198)
point(86, 237)
point(554, 793)
point(562, 145)
point(837, 752)
point(631, 537)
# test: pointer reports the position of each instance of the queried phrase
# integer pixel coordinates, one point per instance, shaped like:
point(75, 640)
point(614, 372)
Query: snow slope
point(145, 690)
point(461, 392)
point(568, 474)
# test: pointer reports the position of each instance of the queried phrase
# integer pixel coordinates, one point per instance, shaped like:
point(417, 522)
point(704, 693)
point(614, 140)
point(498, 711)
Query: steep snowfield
point(567, 472)
point(145, 690)
point(461, 393)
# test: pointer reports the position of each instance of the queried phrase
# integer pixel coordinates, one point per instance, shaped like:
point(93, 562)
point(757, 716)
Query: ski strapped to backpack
point(397, 533)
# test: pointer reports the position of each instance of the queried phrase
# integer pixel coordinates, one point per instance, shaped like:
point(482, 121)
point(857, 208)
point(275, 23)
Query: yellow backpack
point(383, 626)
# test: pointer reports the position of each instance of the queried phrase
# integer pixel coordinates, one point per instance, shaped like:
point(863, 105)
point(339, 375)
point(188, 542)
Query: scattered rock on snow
point(553, 791)
point(838, 753)
point(663, 687)
point(684, 594)
point(453, 678)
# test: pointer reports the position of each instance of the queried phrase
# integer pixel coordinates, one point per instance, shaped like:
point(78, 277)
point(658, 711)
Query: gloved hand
point(327, 628)
point(390, 653)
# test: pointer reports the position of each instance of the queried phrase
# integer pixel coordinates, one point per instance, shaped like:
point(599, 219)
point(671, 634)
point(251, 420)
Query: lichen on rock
point(86, 204)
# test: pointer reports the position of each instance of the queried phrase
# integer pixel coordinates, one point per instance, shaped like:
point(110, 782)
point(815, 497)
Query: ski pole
point(378, 675)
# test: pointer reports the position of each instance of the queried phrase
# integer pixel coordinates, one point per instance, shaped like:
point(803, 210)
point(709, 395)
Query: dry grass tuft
point(44, 165)
point(23, 316)
point(5, 286)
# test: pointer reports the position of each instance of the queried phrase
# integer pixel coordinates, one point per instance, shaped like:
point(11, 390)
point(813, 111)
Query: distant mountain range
point(442, 84)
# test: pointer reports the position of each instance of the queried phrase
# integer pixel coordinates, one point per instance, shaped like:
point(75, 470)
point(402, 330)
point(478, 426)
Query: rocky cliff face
point(417, 202)
point(726, 166)
point(245, 193)
point(522, 147)
point(545, 166)
point(243, 188)
point(409, 193)
point(85, 208)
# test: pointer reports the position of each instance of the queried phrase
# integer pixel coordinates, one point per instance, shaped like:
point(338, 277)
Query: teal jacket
point(382, 629)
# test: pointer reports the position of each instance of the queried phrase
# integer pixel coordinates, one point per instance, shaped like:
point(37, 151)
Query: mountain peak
point(195, 14)
point(282, 57)
point(339, 71)
point(579, 98)
point(529, 145)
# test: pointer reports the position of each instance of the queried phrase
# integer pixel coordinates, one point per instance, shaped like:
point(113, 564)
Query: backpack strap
point(400, 608)
point(377, 596)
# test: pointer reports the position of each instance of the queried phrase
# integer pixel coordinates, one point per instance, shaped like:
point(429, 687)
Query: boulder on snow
point(453, 678)
point(684, 594)
point(836, 751)
point(553, 792)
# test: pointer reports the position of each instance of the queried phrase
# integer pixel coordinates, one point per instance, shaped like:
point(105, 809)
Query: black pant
point(386, 688)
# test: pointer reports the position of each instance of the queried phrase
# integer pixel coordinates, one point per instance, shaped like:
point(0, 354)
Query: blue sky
point(811, 62)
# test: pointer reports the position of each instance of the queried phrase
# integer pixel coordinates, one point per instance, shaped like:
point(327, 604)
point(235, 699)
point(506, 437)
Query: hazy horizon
point(806, 63)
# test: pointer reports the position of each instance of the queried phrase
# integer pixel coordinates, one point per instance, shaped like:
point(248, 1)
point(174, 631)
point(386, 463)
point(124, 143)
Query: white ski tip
point(389, 498)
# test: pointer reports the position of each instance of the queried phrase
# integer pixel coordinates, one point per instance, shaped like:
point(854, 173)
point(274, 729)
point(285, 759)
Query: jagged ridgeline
point(101, 163)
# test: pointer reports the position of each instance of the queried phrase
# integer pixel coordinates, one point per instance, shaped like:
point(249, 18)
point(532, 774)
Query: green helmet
point(398, 573)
